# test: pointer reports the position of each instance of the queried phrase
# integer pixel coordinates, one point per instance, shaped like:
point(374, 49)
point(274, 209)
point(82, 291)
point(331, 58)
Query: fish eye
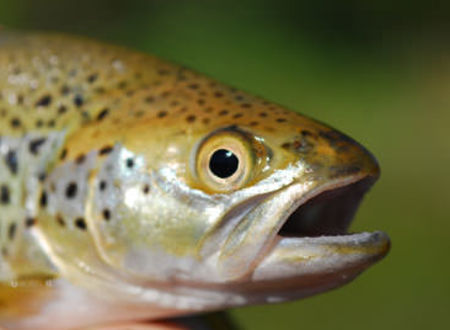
point(225, 161)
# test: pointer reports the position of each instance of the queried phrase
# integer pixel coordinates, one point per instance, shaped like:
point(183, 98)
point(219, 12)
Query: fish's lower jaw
point(303, 266)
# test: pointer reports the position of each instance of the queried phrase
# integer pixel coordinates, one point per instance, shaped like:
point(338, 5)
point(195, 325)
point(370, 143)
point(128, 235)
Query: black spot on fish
point(20, 99)
point(16, 122)
point(42, 177)
point(11, 161)
point(102, 114)
point(106, 214)
point(191, 118)
point(105, 150)
point(60, 220)
point(4, 194)
point(80, 159)
point(35, 144)
point(80, 223)
point(63, 154)
point(44, 101)
point(65, 90)
point(62, 109)
point(162, 114)
point(43, 199)
point(129, 162)
point(286, 145)
point(30, 222)
point(12, 231)
point(39, 123)
point(122, 85)
point(102, 185)
point(71, 190)
point(78, 100)
point(92, 78)
point(305, 133)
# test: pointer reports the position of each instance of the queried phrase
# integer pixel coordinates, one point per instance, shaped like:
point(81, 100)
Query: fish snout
point(328, 154)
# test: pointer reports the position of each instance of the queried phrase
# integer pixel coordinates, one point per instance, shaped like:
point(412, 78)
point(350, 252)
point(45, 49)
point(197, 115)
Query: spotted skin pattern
point(71, 109)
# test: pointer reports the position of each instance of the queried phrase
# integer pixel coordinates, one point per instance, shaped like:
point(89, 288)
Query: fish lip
point(297, 266)
point(364, 178)
point(332, 256)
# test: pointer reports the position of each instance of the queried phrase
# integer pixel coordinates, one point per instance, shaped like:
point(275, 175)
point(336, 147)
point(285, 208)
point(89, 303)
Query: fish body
point(133, 188)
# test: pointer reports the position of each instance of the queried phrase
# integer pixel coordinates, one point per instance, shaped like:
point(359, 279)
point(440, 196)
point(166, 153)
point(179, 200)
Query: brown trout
point(132, 188)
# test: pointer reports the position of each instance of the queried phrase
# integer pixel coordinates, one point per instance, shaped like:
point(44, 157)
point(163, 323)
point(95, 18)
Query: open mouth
point(328, 213)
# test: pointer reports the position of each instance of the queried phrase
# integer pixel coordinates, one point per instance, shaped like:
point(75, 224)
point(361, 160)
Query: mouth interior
point(327, 214)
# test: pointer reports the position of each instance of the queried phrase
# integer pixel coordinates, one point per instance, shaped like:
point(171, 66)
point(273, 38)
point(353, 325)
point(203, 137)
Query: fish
point(132, 188)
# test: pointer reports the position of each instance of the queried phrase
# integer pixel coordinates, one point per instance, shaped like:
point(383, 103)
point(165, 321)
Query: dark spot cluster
point(302, 143)
point(339, 171)
point(337, 140)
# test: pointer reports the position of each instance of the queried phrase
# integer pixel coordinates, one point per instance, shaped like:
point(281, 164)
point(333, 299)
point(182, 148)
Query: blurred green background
point(379, 71)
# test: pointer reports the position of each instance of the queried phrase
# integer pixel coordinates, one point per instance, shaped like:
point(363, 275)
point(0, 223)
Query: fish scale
point(111, 210)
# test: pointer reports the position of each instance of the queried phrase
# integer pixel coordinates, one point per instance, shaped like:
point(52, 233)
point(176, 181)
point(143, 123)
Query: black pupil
point(223, 163)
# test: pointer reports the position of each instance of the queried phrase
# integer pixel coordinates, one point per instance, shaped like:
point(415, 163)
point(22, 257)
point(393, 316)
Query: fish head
point(225, 204)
